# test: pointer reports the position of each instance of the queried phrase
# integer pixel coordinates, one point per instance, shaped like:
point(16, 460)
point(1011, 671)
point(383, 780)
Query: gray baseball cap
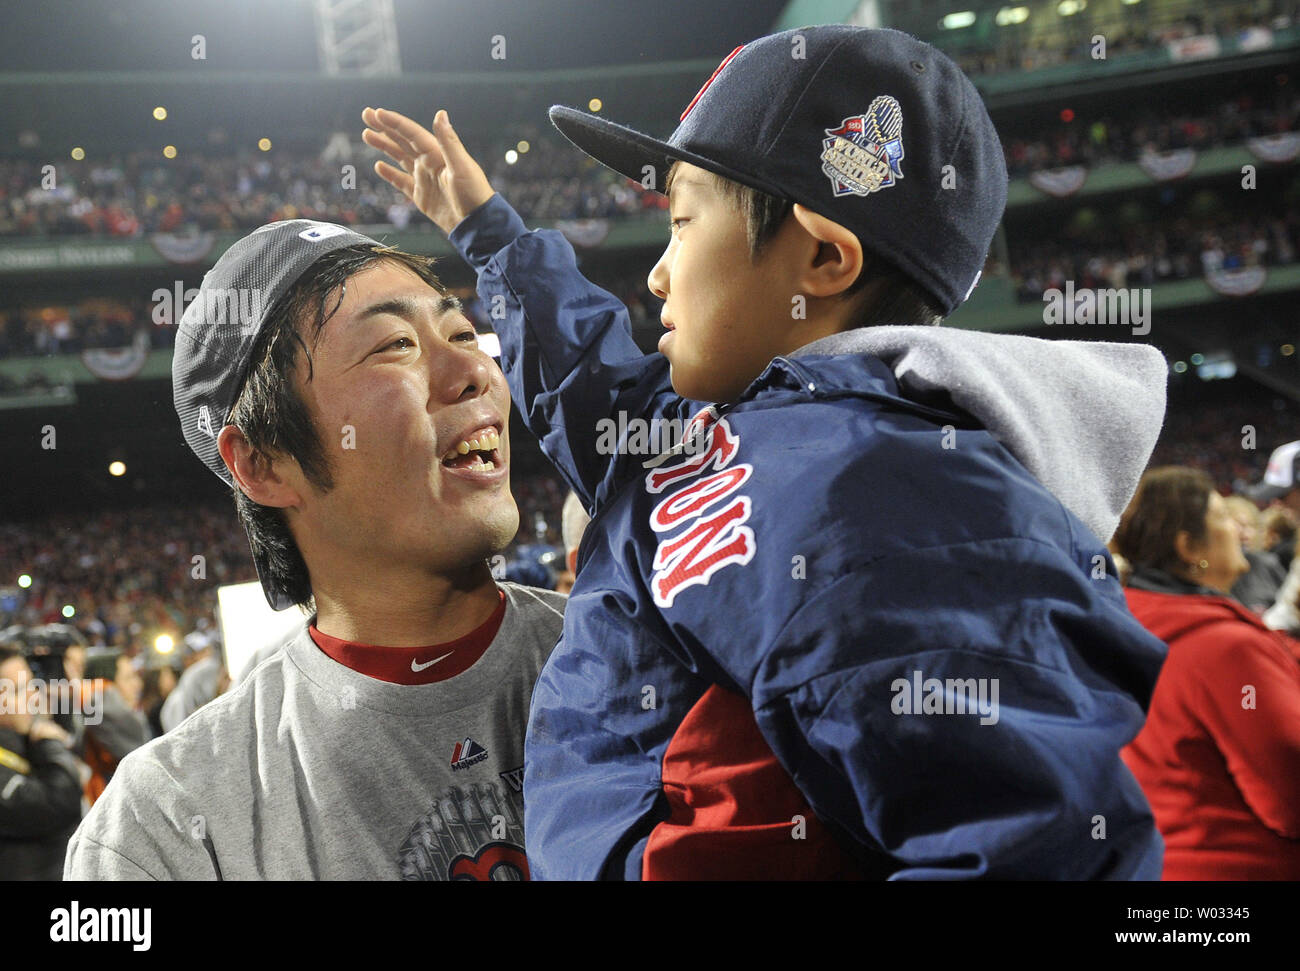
point(216, 334)
point(1281, 475)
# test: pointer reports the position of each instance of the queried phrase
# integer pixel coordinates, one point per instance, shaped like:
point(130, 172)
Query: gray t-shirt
point(309, 770)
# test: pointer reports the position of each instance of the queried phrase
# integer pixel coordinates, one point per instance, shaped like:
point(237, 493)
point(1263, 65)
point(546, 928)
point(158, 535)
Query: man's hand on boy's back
point(436, 173)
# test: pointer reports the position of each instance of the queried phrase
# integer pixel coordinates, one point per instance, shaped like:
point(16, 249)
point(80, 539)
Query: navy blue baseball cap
point(873, 129)
point(220, 327)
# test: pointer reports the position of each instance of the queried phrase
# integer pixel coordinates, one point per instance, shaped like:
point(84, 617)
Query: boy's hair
point(903, 301)
point(273, 416)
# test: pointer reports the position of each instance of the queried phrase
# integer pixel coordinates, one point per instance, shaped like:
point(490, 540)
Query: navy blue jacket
point(832, 550)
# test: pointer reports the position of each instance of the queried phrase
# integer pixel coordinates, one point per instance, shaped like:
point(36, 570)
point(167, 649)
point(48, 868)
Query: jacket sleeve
point(1249, 690)
point(566, 347)
point(1052, 676)
point(46, 801)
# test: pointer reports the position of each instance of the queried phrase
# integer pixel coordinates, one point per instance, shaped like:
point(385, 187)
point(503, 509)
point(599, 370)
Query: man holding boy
point(863, 623)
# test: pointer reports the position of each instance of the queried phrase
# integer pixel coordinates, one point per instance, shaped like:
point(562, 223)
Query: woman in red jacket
point(1219, 757)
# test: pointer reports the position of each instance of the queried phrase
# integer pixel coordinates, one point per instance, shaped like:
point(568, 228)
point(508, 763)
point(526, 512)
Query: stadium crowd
point(1013, 51)
point(42, 330)
point(1105, 140)
point(1151, 252)
point(141, 194)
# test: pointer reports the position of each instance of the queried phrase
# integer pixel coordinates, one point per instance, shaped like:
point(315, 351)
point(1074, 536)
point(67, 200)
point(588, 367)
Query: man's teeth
point(483, 441)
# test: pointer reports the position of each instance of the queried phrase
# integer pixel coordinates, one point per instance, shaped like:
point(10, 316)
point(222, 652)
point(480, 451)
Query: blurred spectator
point(159, 682)
point(573, 520)
point(1279, 534)
point(1258, 586)
point(1219, 756)
point(199, 682)
point(114, 725)
point(40, 784)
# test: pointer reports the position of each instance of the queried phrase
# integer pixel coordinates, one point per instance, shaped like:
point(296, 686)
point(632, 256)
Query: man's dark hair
point(1169, 499)
point(902, 301)
point(272, 415)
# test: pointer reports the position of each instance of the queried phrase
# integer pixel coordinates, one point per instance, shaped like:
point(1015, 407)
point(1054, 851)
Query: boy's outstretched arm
point(566, 344)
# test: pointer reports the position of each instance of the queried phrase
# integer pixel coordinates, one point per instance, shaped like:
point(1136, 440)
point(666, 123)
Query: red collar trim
point(414, 665)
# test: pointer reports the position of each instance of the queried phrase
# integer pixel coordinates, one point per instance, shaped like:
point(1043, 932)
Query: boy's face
point(727, 316)
point(398, 383)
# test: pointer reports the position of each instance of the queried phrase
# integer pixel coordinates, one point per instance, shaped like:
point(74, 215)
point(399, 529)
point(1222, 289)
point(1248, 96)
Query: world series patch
point(862, 155)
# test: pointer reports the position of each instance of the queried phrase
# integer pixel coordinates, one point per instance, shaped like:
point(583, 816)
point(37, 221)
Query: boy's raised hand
point(437, 173)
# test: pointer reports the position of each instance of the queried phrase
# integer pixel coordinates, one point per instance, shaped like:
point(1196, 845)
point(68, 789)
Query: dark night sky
point(435, 35)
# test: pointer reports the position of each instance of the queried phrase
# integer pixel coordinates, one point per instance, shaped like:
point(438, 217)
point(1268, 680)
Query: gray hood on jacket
point(1082, 416)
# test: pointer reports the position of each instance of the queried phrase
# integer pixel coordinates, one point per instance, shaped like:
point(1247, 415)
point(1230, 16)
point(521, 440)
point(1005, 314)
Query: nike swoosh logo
point(428, 664)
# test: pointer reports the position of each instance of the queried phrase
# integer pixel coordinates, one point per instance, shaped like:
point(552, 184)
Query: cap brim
point(628, 151)
point(1263, 492)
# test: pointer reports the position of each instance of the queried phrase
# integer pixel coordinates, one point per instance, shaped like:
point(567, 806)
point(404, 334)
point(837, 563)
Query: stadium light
point(169, 151)
point(1198, 358)
point(594, 104)
point(1011, 15)
point(116, 468)
point(68, 611)
point(25, 581)
point(160, 113)
point(264, 144)
point(1180, 367)
point(164, 644)
point(955, 21)
point(512, 157)
point(523, 147)
point(1068, 8)
point(1287, 350)
point(1130, 3)
point(78, 153)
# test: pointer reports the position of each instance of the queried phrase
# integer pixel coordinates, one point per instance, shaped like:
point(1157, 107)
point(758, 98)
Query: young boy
point(863, 622)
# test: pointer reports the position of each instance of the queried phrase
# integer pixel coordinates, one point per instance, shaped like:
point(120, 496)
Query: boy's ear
point(838, 259)
point(257, 476)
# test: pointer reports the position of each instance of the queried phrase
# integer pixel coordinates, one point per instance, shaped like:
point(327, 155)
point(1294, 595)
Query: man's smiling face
point(413, 417)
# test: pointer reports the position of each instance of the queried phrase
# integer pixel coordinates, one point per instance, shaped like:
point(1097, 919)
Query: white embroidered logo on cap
point(862, 155)
point(205, 421)
point(322, 231)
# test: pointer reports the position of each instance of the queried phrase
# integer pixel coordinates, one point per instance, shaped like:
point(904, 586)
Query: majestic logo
point(467, 753)
point(705, 543)
point(322, 231)
point(417, 668)
point(862, 155)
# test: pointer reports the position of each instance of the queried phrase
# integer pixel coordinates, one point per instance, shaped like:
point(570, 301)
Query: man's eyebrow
point(409, 307)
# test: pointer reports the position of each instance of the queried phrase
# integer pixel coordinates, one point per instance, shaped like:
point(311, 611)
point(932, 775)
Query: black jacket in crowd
point(40, 806)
